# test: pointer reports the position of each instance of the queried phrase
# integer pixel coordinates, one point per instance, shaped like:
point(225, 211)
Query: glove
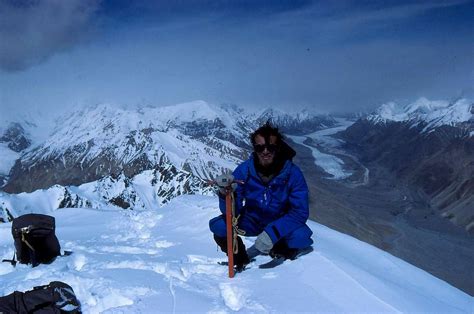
point(263, 243)
point(224, 182)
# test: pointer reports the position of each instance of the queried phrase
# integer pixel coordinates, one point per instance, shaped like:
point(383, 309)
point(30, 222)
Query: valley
point(381, 210)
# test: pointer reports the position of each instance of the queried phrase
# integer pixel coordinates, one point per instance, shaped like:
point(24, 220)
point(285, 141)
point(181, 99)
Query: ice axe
point(231, 221)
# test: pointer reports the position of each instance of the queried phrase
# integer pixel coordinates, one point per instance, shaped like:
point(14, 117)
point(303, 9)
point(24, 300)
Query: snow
point(203, 138)
point(164, 260)
point(37, 201)
point(37, 123)
point(128, 134)
point(149, 189)
point(8, 158)
point(433, 113)
point(195, 111)
point(37, 127)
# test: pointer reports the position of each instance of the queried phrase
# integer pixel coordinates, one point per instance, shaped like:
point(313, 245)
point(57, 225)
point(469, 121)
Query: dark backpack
point(35, 239)
point(57, 297)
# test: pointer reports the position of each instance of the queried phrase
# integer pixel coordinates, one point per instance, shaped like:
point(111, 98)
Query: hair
point(266, 131)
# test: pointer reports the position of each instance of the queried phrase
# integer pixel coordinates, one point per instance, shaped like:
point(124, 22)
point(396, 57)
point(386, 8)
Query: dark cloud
point(33, 31)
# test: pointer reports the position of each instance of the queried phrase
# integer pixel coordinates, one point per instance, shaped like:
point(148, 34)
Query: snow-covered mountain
point(14, 139)
point(430, 114)
point(196, 137)
point(295, 123)
point(18, 133)
point(148, 190)
point(151, 262)
point(428, 145)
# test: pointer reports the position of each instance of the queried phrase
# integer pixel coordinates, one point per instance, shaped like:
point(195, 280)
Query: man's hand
point(263, 243)
point(225, 182)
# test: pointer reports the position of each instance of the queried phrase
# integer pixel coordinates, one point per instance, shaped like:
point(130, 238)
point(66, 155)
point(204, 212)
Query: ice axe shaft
point(230, 237)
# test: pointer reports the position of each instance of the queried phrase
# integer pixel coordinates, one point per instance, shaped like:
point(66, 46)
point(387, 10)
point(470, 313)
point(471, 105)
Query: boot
point(281, 249)
point(241, 259)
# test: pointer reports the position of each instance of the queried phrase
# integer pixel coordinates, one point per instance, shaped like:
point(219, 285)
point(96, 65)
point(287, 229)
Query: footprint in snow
point(77, 262)
point(234, 297)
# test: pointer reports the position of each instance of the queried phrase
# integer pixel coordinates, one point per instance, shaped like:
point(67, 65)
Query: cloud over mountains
point(33, 31)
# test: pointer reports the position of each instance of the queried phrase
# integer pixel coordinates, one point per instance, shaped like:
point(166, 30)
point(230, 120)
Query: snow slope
point(165, 260)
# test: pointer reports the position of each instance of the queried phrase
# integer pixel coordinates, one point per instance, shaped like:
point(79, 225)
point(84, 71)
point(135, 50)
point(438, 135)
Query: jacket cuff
point(273, 232)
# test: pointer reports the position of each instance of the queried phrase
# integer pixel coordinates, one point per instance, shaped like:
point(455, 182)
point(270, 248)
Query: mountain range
point(398, 175)
point(177, 148)
point(428, 144)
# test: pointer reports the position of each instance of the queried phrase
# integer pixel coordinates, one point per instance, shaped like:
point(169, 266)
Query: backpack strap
point(31, 250)
point(23, 238)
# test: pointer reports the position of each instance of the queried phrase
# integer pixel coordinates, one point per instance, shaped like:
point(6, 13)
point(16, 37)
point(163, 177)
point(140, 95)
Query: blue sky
point(332, 55)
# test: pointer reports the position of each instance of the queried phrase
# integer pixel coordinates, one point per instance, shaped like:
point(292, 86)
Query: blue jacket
point(281, 206)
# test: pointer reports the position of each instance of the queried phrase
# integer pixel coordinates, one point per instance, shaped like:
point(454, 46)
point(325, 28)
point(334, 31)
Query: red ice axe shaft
point(230, 236)
point(229, 224)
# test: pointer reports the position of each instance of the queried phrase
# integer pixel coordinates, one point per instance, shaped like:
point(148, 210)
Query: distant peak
point(190, 104)
point(433, 112)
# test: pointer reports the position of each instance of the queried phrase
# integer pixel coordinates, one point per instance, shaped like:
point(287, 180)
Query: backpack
point(56, 297)
point(35, 239)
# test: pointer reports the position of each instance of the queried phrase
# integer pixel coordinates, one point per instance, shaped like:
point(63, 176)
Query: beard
point(268, 166)
point(266, 160)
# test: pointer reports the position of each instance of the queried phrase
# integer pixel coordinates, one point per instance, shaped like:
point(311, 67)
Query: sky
point(335, 56)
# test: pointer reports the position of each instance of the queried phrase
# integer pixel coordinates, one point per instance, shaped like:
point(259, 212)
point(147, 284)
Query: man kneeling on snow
point(271, 200)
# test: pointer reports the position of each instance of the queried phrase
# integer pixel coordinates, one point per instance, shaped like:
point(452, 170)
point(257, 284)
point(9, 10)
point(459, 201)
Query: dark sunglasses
point(259, 148)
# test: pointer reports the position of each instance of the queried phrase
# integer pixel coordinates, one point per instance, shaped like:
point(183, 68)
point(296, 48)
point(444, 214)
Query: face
point(265, 151)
